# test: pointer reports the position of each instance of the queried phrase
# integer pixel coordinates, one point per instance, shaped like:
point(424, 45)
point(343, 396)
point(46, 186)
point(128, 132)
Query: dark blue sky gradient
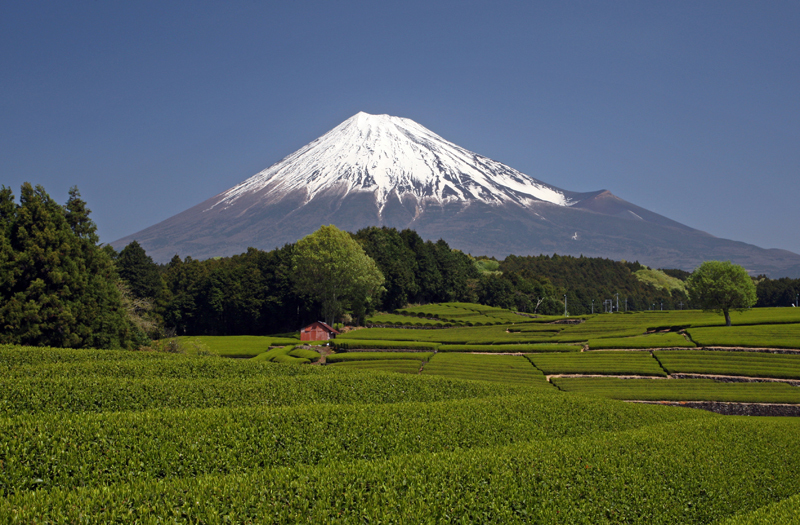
point(689, 109)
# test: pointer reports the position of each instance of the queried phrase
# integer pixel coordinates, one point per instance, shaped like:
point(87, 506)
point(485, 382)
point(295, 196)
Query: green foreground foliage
point(264, 442)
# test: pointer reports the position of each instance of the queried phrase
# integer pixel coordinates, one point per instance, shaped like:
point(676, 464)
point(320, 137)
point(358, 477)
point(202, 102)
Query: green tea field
point(467, 424)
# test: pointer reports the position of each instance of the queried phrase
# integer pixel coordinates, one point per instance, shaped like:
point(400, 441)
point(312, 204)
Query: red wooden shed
point(317, 331)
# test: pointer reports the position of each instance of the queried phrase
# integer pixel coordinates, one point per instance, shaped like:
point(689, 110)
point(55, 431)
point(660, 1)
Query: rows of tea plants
point(511, 348)
point(378, 356)
point(468, 313)
point(79, 450)
point(760, 336)
point(753, 364)
point(231, 346)
point(693, 471)
point(501, 334)
point(404, 320)
point(680, 390)
point(501, 368)
point(605, 363)
point(657, 340)
point(210, 382)
point(400, 366)
point(342, 344)
point(98, 437)
point(452, 314)
point(785, 512)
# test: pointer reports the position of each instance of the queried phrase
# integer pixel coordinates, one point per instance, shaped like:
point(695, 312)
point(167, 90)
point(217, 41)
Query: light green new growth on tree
point(721, 286)
point(331, 267)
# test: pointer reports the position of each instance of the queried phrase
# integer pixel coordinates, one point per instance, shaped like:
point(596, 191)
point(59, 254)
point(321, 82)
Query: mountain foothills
point(379, 170)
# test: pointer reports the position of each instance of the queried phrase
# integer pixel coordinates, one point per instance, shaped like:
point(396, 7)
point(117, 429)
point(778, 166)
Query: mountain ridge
point(379, 170)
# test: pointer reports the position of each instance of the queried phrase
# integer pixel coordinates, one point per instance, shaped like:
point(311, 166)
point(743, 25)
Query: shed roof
point(325, 326)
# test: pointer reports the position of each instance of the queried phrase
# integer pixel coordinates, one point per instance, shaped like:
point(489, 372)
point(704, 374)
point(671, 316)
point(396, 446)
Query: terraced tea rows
point(667, 340)
point(501, 368)
point(401, 366)
point(760, 336)
point(97, 436)
point(750, 364)
point(680, 390)
point(379, 356)
point(607, 363)
point(647, 475)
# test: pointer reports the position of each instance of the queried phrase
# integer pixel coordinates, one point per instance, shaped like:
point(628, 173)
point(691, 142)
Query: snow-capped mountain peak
point(388, 155)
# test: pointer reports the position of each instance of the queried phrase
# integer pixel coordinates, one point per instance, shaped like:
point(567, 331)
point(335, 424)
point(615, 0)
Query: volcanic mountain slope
point(378, 170)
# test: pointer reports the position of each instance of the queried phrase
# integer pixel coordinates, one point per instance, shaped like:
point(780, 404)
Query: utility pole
point(565, 305)
point(592, 306)
point(626, 304)
point(617, 302)
point(662, 306)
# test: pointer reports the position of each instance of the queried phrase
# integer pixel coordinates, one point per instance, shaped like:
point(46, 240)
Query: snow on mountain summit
point(389, 155)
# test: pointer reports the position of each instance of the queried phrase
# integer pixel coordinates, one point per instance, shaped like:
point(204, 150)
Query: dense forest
point(253, 293)
point(59, 287)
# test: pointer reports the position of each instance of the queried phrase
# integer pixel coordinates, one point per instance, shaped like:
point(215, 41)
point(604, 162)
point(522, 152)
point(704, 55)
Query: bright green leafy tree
point(721, 286)
point(331, 267)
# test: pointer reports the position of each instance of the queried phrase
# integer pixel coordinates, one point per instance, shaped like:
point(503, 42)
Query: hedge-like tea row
point(662, 474)
point(380, 344)
point(680, 390)
point(287, 359)
point(405, 320)
point(786, 512)
point(512, 348)
point(72, 450)
point(501, 368)
point(401, 366)
point(612, 363)
point(768, 335)
point(14, 356)
point(667, 340)
point(368, 356)
point(754, 364)
point(325, 386)
point(178, 368)
point(304, 353)
point(459, 335)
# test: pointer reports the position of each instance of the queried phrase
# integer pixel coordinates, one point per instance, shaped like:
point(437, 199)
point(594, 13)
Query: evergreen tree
point(395, 260)
point(137, 269)
point(62, 289)
point(428, 278)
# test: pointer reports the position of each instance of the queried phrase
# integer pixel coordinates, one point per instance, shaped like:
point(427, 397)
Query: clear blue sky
point(689, 109)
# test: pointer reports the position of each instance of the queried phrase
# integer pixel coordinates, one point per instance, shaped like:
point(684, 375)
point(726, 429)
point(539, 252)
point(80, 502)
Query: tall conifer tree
point(61, 287)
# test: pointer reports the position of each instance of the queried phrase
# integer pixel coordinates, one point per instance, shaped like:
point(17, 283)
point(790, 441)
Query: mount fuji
point(379, 170)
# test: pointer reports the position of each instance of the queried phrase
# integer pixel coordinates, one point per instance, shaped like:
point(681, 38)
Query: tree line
point(60, 287)
point(257, 292)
